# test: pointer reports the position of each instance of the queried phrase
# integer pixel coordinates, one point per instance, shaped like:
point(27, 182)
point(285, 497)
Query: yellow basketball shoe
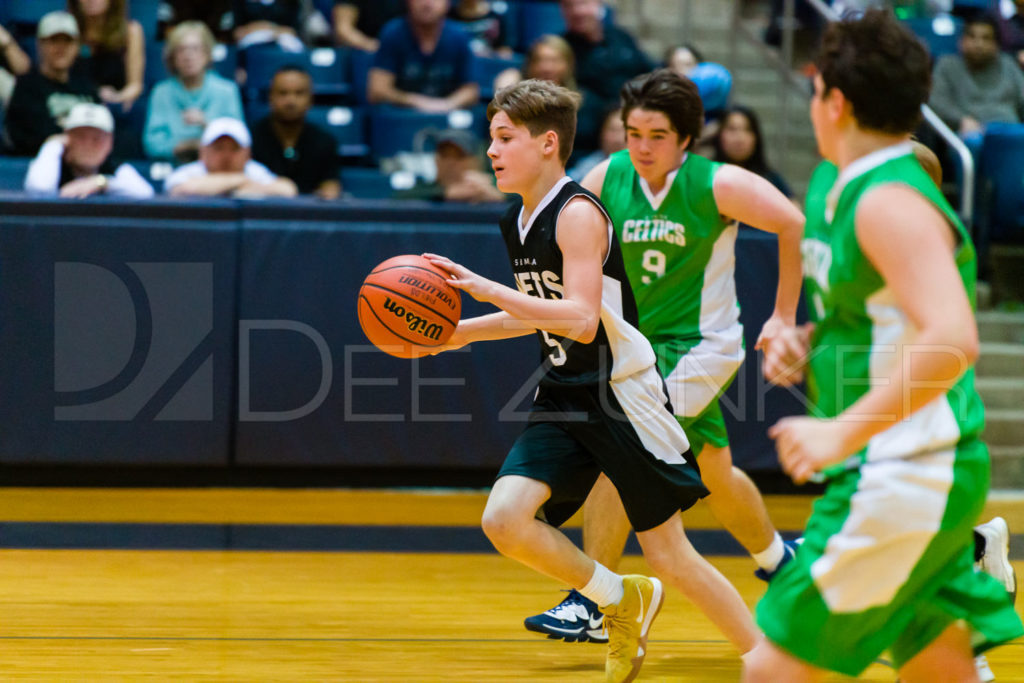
point(628, 624)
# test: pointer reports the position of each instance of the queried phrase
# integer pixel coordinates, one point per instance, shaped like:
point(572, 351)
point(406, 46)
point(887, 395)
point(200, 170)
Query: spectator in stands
point(459, 178)
point(739, 142)
point(77, 163)
point(1011, 24)
point(269, 21)
point(683, 59)
point(289, 145)
point(113, 50)
point(357, 23)
point(180, 106)
point(613, 138)
point(43, 97)
point(216, 14)
point(13, 63)
point(551, 59)
point(423, 62)
point(485, 23)
point(978, 86)
point(606, 56)
point(225, 168)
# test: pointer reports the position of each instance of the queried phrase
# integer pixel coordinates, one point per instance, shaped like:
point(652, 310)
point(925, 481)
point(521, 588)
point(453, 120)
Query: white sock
point(769, 558)
point(604, 587)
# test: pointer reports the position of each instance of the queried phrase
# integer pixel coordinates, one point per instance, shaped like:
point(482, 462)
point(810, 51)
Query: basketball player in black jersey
point(601, 405)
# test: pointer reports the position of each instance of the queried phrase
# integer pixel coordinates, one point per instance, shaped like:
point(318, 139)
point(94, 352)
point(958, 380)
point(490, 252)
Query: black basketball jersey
point(618, 349)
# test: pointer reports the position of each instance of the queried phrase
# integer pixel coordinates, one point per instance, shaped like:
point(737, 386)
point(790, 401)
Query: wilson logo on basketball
point(429, 289)
point(413, 322)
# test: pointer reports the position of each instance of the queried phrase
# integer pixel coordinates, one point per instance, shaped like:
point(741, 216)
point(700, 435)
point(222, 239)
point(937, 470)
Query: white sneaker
point(995, 561)
point(984, 672)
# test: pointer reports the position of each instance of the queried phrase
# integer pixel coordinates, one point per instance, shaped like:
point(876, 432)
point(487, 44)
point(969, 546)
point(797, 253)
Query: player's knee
point(501, 527)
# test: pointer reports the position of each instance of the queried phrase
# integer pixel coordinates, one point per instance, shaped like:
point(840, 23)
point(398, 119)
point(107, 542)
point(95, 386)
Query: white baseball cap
point(57, 23)
point(86, 115)
point(233, 128)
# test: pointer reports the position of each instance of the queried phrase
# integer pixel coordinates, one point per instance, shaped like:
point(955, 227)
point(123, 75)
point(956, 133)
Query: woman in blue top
point(180, 106)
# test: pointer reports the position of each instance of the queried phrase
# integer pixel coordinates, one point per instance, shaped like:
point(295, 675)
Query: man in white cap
point(43, 97)
point(77, 164)
point(225, 167)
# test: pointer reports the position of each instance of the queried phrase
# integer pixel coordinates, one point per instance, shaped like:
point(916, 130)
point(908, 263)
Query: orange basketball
point(406, 301)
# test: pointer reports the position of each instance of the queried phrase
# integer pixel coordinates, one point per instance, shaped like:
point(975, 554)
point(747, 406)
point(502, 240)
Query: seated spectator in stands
point(225, 168)
point(683, 59)
point(43, 97)
point(77, 164)
point(13, 63)
point(459, 178)
point(613, 138)
point(739, 142)
point(1011, 24)
point(358, 23)
point(259, 22)
point(551, 59)
point(485, 25)
point(113, 50)
point(289, 145)
point(180, 106)
point(606, 56)
point(423, 62)
point(978, 86)
point(216, 14)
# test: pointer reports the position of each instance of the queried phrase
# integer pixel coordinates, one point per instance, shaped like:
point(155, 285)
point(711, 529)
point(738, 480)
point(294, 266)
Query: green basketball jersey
point(678, 253)
point(861, 330)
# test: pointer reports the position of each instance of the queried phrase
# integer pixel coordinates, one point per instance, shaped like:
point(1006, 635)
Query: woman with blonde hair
point(181, 105)
point(113, 49)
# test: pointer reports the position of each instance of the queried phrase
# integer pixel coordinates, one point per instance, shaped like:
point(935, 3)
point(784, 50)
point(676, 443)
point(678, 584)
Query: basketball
point(404, 301)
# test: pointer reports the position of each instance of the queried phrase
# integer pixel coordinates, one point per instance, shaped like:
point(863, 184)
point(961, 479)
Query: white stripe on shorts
point(895, 512)
point(643, 398)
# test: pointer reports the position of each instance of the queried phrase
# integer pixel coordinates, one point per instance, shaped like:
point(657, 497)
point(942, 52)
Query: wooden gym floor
point(287, 585)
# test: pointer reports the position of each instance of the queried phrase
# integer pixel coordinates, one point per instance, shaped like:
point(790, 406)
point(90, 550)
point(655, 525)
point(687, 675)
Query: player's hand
point(477, 286)
point(807, 445)
point(785, 353)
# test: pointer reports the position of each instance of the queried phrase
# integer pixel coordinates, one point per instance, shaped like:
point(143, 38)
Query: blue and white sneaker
point(788, 553)
point(574, 620)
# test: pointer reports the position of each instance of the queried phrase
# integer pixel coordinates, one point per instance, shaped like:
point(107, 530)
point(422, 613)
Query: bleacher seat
point(1001, 173)
point(327, 66)
point(485, 69)
point(359, 70)
point(940, 33)
point(145, 12)
point(365, 183)
point(23, 15)
point(537, 19)
point(12, 172)
point(153, 171)
point(395, 129)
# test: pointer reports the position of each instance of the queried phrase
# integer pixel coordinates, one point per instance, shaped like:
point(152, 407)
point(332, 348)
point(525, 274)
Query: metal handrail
point(966, 211)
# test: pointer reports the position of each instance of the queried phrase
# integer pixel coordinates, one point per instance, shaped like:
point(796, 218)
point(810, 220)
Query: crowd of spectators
point(420, 55)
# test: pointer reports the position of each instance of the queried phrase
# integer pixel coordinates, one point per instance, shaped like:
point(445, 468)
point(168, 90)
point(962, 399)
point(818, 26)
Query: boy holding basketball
point(601, 405)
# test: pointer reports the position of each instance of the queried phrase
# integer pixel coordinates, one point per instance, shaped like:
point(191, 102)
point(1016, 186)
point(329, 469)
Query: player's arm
point(594, 180)
point(582, 235)
point(912, 246)
point(749, 198)
point(488, 327)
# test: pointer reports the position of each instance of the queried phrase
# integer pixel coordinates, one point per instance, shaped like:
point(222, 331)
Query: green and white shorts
point(887, 564)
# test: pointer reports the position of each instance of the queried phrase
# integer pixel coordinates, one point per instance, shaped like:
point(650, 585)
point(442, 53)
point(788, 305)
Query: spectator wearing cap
point(180, 106)
point(459, 178)
point(289, 145)
point(43, 97)
point(225, 169)
point(77, 163)
point(423, 62)
point(606, 56)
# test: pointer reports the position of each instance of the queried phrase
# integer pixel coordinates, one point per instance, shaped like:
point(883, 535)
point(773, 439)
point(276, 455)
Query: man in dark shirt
point(216, 14)
point(43, 97)
point(423, 62)
point(292, 147)
point(606, 56)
